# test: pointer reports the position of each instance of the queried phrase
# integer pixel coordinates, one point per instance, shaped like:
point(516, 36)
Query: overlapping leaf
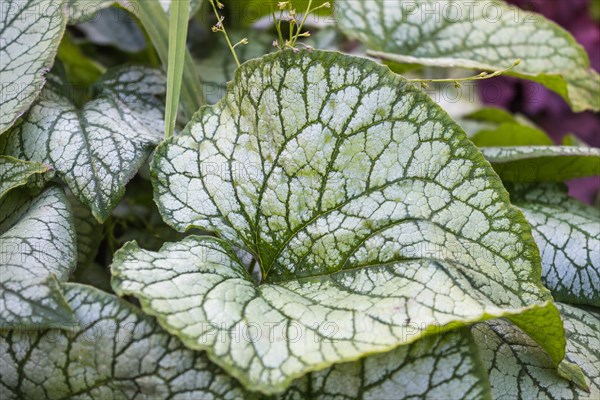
point(15, 173)
point(133, 357)
point(31, 31)
point(116, 28)
point(96, 150)
point(37, 249)
point(364, 205)
point(528, 164)
point(112, 352)
point(88, 231)
point(519, 368)
point(485, 35)
point(568, 235)
point(436, 367)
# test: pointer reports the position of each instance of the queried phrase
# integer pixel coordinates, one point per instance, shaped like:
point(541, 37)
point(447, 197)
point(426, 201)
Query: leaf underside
point(528, 164)
point(486, 35)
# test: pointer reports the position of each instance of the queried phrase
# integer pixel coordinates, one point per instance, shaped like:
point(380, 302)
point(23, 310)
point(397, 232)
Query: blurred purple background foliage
point(544, 107)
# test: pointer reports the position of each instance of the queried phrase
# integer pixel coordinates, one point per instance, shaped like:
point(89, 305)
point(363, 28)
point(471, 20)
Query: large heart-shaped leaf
point(527, 164)
point(364, 204)
point(30, 33)
point(485, 35)
point(519, 369)
point(37, 248)
point(112, 352)
point(96, 149)
point(16, 173)
point(568, 235)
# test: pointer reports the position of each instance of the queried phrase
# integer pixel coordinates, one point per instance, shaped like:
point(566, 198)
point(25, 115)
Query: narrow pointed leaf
point(568, 235)
point(437, 367)
point(112, 351)
point(359, 197)
point(31, 32)
point(518, 368)
point(487, 36)
point(37, 248)
point(15, 173)
point(96, 150)
point(529, 164)
point(178, 27)
point(156, 24)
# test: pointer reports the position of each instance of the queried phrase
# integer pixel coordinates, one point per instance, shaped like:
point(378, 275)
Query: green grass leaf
point(178, 27)
point(154, 19)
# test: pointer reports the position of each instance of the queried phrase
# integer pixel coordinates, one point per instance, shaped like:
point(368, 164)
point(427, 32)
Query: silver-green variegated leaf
point(445, 366)
point(487, 35)
point(115, 351)
point(362, 201)
point(520, 369)
point(15, 173)
point(568, 235)
point(37, 249)
point(84, 10)
point(112, 351)
point(116, 28)
point(266, 335)
point(98, 148)
point(30, 33)
point(528, 164)
point(88, 231)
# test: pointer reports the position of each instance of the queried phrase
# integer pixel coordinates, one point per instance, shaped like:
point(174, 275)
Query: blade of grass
point(178, 27)
point(156, 23)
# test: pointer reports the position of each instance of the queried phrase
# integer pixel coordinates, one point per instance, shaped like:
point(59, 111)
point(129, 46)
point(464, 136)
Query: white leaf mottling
point(519, 368)
point(98, 149)
point(568, 235)
point(487, 35)
point(37, 249)
point(364, 205)
point(30, 32)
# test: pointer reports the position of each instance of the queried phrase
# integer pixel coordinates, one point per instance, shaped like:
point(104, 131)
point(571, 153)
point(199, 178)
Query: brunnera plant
point(316, 228)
